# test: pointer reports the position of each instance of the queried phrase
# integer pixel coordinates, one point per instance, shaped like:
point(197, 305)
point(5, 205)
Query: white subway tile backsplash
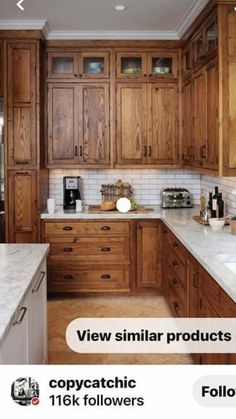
point(228, 188)
point(146, 183)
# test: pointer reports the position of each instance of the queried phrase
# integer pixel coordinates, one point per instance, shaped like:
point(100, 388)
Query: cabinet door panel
point(148, 255)
point(188, 146)
point(21, 104)
point(94, 124)
point(22, 207)
point(62, 124)
point(200, 116)
point(131, 124)
point(162, 123)
point(212, 117)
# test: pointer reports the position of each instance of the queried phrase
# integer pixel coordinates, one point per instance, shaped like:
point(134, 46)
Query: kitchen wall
point(146, 183)
point(228, 188)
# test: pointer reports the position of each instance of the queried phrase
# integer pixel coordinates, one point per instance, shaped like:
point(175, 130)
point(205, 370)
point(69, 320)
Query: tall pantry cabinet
point(26, 179)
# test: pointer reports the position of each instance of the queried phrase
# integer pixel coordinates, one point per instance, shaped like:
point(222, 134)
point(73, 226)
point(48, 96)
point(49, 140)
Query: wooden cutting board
point(95, 209)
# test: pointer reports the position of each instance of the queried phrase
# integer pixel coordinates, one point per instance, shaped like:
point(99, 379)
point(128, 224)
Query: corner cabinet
point(147, 129)
point(78, 124)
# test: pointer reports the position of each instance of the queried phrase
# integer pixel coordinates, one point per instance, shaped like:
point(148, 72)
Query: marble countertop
point(19, 265)
point(215, 250)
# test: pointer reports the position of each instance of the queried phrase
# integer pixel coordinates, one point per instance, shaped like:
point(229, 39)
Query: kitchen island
point(23, 302)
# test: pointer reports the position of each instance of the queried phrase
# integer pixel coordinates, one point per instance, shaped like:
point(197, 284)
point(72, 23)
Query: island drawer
point(87, 279)
point(100, 249)
point(87, 228)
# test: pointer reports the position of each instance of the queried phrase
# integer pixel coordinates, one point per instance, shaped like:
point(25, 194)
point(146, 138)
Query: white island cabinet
point(23, 325)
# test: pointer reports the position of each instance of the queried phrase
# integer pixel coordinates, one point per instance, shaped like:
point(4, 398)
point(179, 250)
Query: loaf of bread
point(108, 205)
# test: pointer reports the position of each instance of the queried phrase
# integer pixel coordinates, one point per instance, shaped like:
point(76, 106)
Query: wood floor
point(62, 311)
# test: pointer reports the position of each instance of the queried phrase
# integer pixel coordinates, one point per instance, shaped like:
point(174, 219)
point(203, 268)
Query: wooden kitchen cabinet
point(148, 65)
point(148, 254)
point(63, 124)
point(162, 117)
point(21, 104)
point(94, 124)
point(22, 206)
point(147, 135)
point(78, 124)
point(88, 256)
point(199, 116)
point(131, 131)
point(78, 65)
point(1, 68)
point(188, 146)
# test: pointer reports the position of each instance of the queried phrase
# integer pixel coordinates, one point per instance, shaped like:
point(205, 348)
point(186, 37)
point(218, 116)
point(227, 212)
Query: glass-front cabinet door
point(162, 65)
point(131, 65)
point(211, 36)
point(94, 65)
point(63, 65)
point(199, 50)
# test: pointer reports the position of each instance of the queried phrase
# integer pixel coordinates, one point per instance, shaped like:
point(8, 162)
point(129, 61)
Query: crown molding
point(23, 24)
point(189, 17)
point(105, 35)
point(43, 25)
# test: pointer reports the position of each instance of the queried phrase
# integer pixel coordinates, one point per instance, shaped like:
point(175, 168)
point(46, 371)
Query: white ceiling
point(75, 19)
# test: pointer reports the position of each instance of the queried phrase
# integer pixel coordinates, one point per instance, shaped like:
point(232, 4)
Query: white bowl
point(123, 204)
point(216, 223)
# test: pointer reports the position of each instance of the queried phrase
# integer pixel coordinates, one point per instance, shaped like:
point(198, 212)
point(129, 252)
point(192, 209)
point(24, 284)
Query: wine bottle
point(214, 202)
point(220, 204)
point(209, 205)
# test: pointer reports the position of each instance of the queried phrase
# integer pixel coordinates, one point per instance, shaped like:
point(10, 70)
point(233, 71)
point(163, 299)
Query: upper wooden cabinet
point(205, 41)
point(78, 65)
point(146, 65)
point(1, 68)
point(188, 143)
point(21, 104)
point(146, 123)
point(78, 124)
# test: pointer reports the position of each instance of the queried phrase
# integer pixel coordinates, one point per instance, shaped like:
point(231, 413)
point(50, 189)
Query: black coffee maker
point(71, 191)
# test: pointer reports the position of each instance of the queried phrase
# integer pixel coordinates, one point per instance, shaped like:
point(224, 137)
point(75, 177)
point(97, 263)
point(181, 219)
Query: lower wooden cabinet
point(148, 254)
point(88, 256)
point(22, 206)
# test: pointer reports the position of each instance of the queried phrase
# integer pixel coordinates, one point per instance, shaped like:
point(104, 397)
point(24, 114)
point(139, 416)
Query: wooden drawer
point(87, 249)
point(177, 247)
point(87, 279)
point(177, 293)
point(176, 264)
point(87, 228)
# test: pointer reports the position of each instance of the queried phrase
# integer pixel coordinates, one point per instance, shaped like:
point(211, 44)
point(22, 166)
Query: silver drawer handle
point(40, 282)
point(23, 309)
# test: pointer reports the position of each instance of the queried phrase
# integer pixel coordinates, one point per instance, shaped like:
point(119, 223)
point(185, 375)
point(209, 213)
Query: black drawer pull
point(68, 276)
point(175, 265)
point(68, 249)
point(105, 249)
point(175, 282)
point(105, 228)
point(21, 162)
point(176, 306)
point(175, 246)
point(105, 276)
point(67, 228)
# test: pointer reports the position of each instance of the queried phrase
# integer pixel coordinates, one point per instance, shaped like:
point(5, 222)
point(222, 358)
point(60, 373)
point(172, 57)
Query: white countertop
point(19, 265)
point(215, 251)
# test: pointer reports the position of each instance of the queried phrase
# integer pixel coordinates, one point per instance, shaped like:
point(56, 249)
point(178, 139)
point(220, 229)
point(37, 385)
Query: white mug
point(79, 205)
point(51, 205)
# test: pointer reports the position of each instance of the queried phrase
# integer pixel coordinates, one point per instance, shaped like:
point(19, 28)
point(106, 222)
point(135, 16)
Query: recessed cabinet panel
point(212, 151)
point(94, 124)
point(131, 124)
point(21, 70)
point(162, 129)
point(22, 194)
point(187, 130)
point(23, 134)
point(62, 124)
point(200, 115)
